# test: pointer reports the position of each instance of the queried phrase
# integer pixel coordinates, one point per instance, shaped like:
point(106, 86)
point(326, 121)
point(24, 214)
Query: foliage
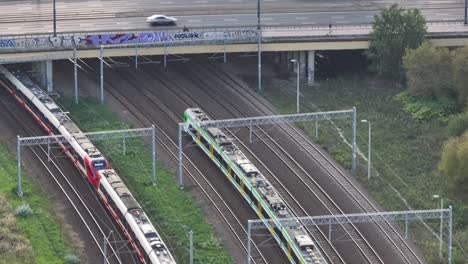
point(460, 73)
point(394, 30)
point(23, 210)
point(429, 71)
point(38, 238)
point(72, 259)
point(13, 244)
point(425, 109)
point(458, 124)
point(454, 165)
point(404, 152)
point(171, 210)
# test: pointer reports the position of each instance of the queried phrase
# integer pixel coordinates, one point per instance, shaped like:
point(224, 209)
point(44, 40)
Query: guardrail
point(179, 37)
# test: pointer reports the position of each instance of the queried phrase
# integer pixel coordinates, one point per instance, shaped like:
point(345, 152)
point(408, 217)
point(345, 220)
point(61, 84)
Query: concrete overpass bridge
point(298, 42)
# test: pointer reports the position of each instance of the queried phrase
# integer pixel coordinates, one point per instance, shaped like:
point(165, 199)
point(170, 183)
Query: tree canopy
point(429, 71)
point(394, 30)
point(460, 74)
point(454, 164)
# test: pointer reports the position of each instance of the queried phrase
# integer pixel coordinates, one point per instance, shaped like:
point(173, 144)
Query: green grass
point(38, 238)
point(405, 150)
point(172, 211)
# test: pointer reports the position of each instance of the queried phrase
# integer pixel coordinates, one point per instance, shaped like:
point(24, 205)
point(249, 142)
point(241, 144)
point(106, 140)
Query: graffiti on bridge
point(77, 41)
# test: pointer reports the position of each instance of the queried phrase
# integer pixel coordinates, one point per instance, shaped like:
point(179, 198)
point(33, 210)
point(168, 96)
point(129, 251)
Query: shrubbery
point(423, 108)
point(429, 72)
point(458, 124)
point(460, 74)
point(454, 165)
point(71, 259)
point(23, 210)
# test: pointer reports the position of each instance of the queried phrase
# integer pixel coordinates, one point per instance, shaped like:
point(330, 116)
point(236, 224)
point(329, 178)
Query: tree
point(454, 165)
point(394, 30)
point(460, 74)
point(429, 71)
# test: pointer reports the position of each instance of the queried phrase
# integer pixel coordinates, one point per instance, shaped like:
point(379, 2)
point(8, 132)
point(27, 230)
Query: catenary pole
point(181, 177)
point(55, 19)
point(18, 148)
point(75, 71)
point(153, 141)
point(101, 51)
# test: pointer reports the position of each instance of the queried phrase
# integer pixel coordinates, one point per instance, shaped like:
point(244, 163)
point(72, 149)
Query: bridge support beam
point(303, 63)
point(311, 67)
point(49, 76)
point(277, 57)
point(289, 57)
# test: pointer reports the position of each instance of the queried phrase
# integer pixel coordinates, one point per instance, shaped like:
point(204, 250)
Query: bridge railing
point(178, 37)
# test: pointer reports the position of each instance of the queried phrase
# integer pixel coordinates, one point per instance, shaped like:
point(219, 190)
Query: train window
point(294, 256)
point(192, 129)
point(151, 236)
point(249, 193)
point(237, 178)
point(204, 142)
point(99, 165)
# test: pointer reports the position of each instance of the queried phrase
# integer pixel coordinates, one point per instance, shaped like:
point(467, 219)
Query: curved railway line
point(230, 219)
point(364, 249)
point(367, 253)
point(353, 192)
point(97, 223)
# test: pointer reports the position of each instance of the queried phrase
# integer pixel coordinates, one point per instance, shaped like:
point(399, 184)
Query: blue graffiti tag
point(7, 43)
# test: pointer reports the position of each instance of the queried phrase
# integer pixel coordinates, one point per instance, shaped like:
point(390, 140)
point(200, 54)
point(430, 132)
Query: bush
point(23, 210)
point(460, 73)
point(458, 124)
point(72, 259)
point(454, 165)
point(424, 108)
point(429, 72)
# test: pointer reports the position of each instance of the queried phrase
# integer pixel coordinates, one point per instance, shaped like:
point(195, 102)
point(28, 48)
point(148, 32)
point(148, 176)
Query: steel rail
point(324, 195)
point(340, 181)
point(369, 205)
point(220, 205)
point(331, 248)
point(67, 195)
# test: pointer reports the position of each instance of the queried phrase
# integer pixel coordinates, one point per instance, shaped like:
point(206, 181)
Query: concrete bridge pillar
point(311, 67)
point(303, 64)
point(290, 56)
point(38, 70)
point(278, 57)
point(49, 76)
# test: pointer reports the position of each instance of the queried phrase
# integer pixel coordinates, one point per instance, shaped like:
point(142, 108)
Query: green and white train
point(253, 186)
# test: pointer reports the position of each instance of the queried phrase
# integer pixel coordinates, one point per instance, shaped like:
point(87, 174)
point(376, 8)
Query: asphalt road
point(29, 17)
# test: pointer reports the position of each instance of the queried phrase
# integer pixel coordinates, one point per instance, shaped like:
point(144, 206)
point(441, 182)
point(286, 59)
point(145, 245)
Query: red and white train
point(143, 237)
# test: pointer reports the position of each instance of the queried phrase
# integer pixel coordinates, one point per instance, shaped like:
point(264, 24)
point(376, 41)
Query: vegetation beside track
point(405, 151)
point(172, 211)
point(35, 238)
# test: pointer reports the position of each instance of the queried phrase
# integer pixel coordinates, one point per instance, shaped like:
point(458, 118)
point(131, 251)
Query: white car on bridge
point(161, 20)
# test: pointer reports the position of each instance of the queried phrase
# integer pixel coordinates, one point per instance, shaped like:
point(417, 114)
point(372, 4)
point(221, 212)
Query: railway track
point(367, 254)
point(387, 230)
point(95, 221)
point(233, 223)
point(327, 248)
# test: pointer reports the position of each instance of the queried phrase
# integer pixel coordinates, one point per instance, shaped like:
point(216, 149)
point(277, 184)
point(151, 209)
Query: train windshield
point(99, 165)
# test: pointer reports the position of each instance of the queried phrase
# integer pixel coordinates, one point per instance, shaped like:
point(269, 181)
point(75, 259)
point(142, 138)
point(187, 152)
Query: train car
point(121, 204)
point(258, 192)
point(131, 213)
